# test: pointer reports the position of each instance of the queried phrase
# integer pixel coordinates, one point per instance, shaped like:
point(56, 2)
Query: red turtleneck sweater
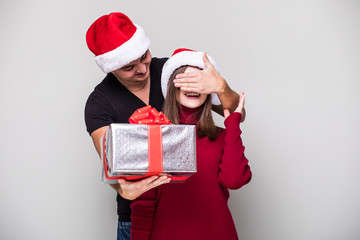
point(196, 209)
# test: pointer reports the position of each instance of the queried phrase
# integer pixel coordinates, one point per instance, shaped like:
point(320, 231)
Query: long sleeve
point(143, 210)
point(234, 169)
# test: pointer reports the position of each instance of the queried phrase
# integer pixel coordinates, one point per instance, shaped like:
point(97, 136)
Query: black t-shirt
point(112, 102)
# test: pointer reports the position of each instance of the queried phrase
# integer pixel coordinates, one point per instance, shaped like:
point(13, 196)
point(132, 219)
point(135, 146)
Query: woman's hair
point(205, 125)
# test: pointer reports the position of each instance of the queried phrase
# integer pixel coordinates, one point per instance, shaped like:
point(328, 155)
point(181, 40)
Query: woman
point(197, 208)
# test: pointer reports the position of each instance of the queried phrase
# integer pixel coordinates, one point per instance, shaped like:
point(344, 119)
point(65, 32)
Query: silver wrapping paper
point(126, 149)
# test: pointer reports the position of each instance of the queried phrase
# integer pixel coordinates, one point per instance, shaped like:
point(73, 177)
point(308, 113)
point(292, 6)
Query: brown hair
point(205, 125)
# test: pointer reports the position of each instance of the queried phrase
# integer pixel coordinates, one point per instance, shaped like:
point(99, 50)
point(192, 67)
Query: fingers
point(207, 61)
point(159, 181)
point(186, 75)
point(154, 181)
point(185, 84)
point(131, 190)
point(194, 88)
point(226, 113)
point(242, 99)
point(184, 80)
point(121, 181)
point(188, 85)
point(241, 103)
point(191, 89)
point(149, 180)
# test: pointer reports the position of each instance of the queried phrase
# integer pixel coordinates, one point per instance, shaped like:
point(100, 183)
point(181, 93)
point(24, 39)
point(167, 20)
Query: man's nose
point(141, 68)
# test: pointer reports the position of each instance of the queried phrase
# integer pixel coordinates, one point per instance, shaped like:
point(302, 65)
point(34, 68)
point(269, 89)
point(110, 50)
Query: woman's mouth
point(192, 95)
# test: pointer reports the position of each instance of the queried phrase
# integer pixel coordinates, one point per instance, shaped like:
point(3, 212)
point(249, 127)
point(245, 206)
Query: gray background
point(298, 63)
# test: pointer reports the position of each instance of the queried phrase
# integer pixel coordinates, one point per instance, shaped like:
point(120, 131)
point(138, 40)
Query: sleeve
point(234, 171)
point(98, 112)
point(143, 211)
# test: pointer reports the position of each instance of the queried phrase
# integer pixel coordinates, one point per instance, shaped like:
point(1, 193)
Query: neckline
point(189, 115)
point(137, 100)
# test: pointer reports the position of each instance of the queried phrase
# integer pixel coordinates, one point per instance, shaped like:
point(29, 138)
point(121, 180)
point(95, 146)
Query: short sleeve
point(98, 112)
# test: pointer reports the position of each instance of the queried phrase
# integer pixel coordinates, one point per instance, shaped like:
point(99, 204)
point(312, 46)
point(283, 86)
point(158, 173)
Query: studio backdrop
point(298, 63)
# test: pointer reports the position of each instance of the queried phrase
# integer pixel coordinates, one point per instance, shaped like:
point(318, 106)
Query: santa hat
point(116, 41)
point(183, 57)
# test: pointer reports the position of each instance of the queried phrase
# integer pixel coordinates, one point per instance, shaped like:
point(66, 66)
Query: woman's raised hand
point(240, 107)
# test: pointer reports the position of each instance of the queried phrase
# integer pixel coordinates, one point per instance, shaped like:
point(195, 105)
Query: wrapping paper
point(135, 151)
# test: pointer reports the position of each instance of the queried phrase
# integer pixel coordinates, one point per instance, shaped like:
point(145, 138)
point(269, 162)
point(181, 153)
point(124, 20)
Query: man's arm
point(209, 81)
point(228, 99)
point(126, 189)
point(96, 135)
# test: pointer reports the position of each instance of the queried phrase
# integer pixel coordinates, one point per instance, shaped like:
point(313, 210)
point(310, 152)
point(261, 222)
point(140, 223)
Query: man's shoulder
point(159, 62)
point(107, 85)
point(156, 68)
point(105, 90)
point(162, 59)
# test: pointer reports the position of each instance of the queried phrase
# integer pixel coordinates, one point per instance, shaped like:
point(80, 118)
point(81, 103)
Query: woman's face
point(191, 99)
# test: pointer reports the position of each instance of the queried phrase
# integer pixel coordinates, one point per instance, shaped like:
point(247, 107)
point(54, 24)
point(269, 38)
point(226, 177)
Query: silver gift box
point(126, 148)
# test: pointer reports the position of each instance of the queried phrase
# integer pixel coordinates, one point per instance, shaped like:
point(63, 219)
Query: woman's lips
point(192, 95)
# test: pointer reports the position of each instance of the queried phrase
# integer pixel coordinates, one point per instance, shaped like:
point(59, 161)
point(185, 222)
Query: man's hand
point(131, 190)
point(205, 81)
point(208, 81)
point(240, 107)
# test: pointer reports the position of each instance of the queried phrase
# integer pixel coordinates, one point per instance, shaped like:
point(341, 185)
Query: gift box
point(151, 146)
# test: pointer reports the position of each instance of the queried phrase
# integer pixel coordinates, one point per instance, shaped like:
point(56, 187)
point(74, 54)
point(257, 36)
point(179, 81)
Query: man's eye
point(143, 56)
point(128, 68)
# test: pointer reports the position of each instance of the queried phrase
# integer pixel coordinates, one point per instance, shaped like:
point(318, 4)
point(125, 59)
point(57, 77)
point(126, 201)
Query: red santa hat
point(116, 41)
point(183, 57)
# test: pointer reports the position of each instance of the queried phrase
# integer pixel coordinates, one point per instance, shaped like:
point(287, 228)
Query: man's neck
point(135, 86)
point(141, 89)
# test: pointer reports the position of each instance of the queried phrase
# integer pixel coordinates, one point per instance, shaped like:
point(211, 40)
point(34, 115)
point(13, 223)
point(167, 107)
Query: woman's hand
point(240, 107)
point(131, 190)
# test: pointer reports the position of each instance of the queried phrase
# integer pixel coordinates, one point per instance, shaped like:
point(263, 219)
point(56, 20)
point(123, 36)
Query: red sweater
point(196, 209)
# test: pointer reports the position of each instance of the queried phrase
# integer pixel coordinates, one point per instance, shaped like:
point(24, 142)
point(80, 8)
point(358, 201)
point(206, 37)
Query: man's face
point(136, 71)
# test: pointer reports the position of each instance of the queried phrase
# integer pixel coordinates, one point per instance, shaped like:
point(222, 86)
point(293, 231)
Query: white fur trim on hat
point(129, 51)
point(191, 58)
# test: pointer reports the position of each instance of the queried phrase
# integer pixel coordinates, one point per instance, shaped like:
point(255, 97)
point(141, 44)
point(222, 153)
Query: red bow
point(148, 115)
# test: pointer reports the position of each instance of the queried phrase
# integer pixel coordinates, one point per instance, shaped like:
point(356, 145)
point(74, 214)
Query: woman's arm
point(142, 215)
point(234, 169)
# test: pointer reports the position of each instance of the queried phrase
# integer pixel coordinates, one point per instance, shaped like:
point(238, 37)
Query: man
point(121, 50)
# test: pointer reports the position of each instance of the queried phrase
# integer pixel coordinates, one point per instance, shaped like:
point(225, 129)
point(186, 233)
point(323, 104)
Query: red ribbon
point(154, 119)
point(148, 115)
